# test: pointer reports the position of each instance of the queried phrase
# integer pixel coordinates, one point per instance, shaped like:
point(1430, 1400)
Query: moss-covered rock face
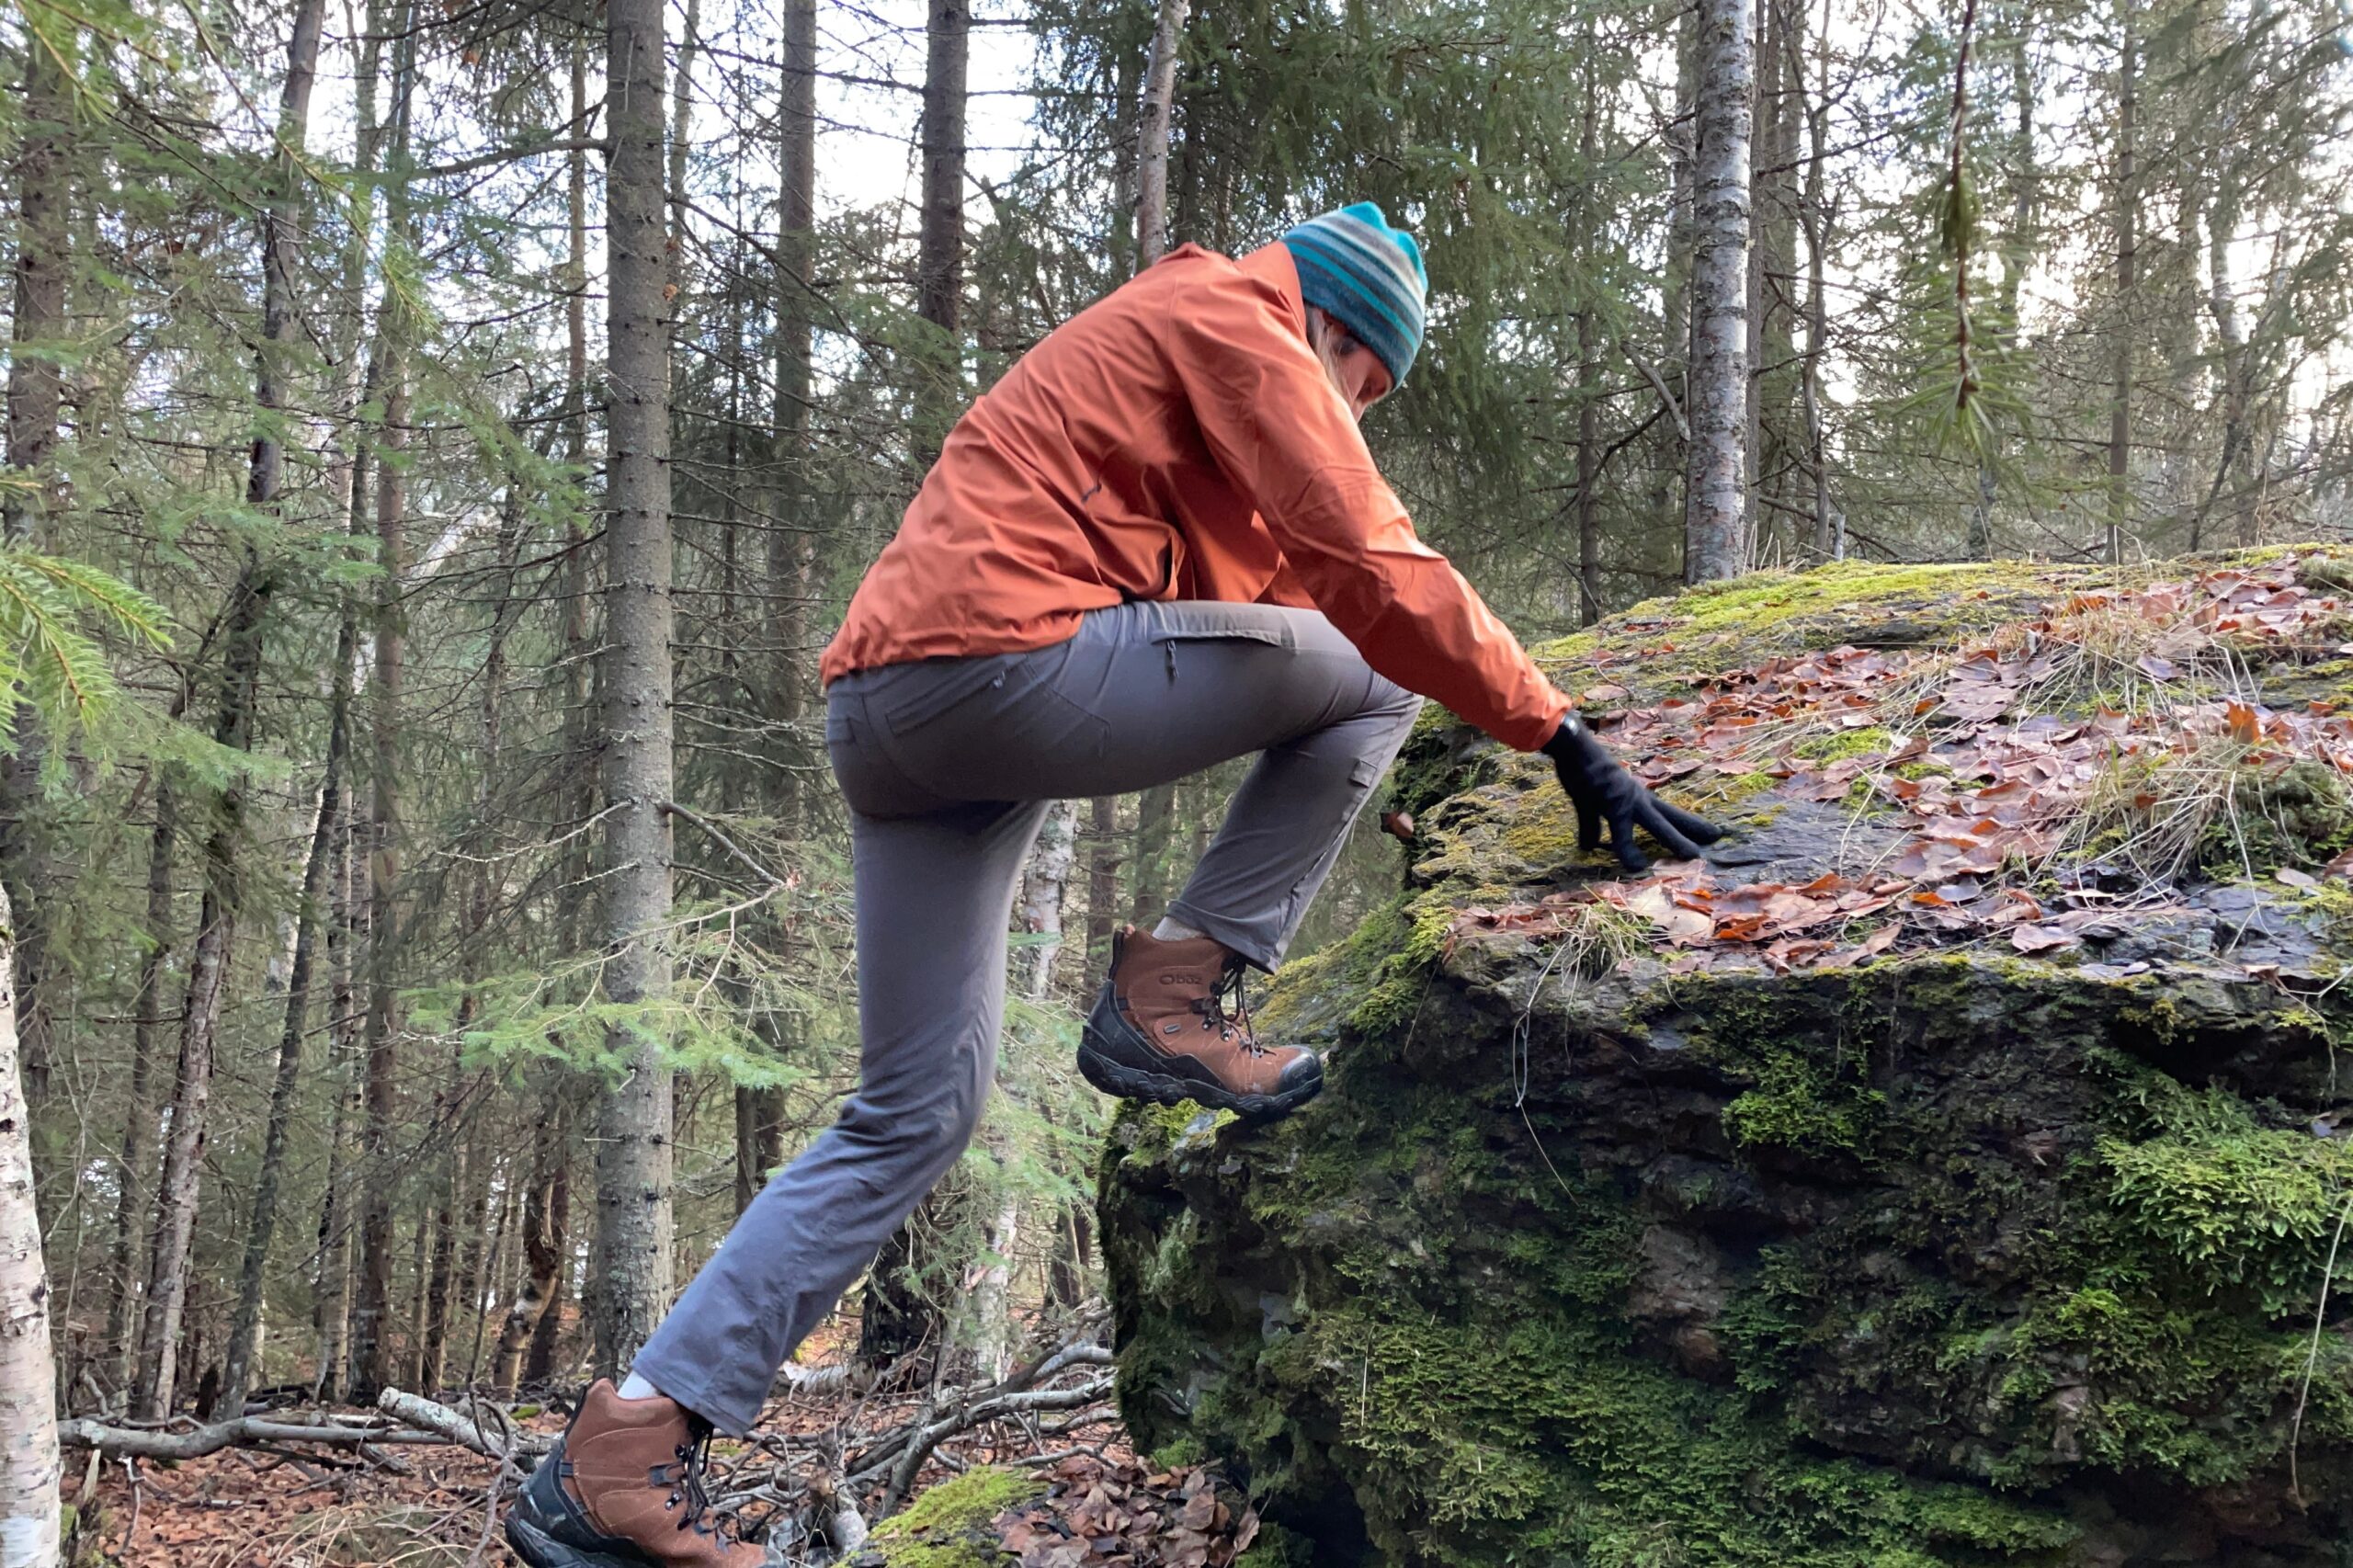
point(1593, 1255)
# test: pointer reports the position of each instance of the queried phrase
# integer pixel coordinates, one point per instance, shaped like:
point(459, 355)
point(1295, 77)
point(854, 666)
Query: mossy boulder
point(1953, 1253)
point(953, 1525)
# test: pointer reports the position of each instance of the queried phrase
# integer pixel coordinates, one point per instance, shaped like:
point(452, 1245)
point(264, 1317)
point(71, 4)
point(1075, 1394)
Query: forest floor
point(1097, 1503)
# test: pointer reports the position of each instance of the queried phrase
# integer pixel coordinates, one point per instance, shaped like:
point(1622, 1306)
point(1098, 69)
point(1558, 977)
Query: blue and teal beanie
point(1369, 276)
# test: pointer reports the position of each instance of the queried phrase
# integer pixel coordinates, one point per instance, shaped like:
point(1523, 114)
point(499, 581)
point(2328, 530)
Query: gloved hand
point(1603, 791)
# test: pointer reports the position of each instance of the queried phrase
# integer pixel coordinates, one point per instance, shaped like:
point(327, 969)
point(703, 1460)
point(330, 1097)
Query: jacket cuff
point(1529, 733)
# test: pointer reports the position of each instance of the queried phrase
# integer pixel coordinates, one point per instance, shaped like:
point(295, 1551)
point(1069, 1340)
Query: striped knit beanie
point(1369, 276)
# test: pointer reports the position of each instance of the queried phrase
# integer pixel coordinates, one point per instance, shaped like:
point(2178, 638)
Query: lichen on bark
point(1955, 1254)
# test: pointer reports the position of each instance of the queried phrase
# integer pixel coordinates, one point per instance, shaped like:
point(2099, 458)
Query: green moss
point(2235, 1204)
point(1637, 1464)
point(1843, 586)
point(946, 1526)
point(2299, 816)
point(1799, 1104)
point(1731, 790)
point(2328, 571)
point(1841, 744)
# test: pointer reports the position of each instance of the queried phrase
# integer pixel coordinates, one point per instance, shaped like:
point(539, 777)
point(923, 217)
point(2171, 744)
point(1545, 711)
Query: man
point(1157, 543)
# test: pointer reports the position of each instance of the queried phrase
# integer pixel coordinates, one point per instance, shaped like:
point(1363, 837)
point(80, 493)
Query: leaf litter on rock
point(1997, 794)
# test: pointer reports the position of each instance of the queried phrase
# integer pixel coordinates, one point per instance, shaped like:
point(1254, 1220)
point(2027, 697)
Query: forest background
point(441, 437)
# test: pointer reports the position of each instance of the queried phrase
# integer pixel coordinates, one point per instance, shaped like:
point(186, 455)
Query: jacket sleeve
point(1283, 436)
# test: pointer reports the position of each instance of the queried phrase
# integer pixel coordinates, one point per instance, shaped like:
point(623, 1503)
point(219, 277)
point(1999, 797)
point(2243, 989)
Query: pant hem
point(1238, 937)
point(697, 1395)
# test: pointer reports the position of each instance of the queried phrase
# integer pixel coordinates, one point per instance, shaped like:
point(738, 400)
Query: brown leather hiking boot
point(624, 1489)
point(1161, 1031)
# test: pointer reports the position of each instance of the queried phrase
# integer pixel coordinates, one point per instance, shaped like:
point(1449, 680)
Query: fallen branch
point(412, 1421)
point(524, 1447)
point(912, 1445)
point(246, 1431)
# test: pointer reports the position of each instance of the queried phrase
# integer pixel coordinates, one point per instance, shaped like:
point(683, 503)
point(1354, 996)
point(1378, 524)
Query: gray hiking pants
point(948, 765)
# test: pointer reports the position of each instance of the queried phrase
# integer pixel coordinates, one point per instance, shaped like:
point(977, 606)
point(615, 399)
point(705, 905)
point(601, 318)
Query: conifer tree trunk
point(325, 836)
point(127, 1284)
point(370, 1335)
point(2230, 332)
point(1102, 878)
point(438, 1278)
point(1773, 162)
point(28, 1452)
point(1827, 541)
point(330, 1287)
point(790, 553)
point(896, 1316)
point(279, 262)
point(552, 1179)
point(2018, 248)
point(36, 391)
point(1715, 535)
point(1675, 281)
point(539, 1361)
point(2128, 225)
point(209, 965)
point(208, 980)
point(633, 1157)
point(1589, 390)
point(542, 1238)
point(939, 257)
point(35, 384)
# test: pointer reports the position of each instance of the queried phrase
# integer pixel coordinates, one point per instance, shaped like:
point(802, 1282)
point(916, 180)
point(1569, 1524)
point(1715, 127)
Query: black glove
point(1603, 791)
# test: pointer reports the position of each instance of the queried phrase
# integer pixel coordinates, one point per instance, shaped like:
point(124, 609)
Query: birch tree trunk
point(1158, 806)
point(1151, 141)
point(1045, 885)
point(1714, 531)
point(29, 1455)
point(634, 1153)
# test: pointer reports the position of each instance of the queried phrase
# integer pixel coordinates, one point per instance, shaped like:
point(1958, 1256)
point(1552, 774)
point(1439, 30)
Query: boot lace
point(1227, 1009)
point(690, 1490)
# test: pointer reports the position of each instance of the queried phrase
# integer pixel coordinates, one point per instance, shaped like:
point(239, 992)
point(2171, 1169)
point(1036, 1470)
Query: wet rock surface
point(1619, 1241)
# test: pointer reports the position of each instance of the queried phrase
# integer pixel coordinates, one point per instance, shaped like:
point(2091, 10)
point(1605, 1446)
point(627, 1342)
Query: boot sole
point(541, 1550)
point(1120, 1080)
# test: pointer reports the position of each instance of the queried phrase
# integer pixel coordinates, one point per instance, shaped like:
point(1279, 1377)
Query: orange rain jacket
point(1177, 439)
